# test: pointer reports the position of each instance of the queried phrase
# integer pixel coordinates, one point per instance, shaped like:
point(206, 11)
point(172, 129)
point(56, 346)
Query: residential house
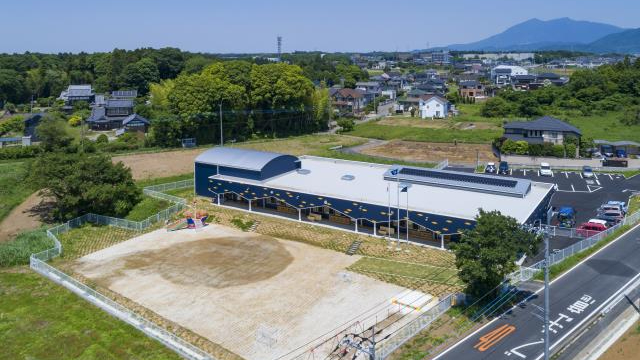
point(471, 88)
point(501, 75)
point(348, 100)
point(77, 93)
point(544, 129)
point(433, 106)
point(118, 107)
point(135, 123)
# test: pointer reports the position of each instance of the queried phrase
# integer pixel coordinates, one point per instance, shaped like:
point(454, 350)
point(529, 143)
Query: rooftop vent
point(347, 177)
point(303, 171)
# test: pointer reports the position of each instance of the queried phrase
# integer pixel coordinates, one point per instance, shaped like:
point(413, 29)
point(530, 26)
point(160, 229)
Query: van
point(545, 169)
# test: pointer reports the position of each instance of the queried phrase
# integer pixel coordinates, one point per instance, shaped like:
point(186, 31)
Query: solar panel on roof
point(459, 177)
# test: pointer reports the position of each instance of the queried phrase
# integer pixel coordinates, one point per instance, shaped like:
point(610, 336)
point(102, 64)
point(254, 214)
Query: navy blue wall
point(540, 213)
point(241, 173)
point(280, 165)
point(202, 173)
point(355, 210)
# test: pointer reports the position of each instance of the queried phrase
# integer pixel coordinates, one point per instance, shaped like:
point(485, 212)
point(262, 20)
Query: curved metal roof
point(238, 158)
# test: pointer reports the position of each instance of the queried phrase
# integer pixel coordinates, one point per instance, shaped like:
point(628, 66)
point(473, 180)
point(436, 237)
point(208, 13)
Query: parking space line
point(572, 188)
point(597, 181)
point(524, 171)
point(566, 174)
point(610, 177)
point(552, 174)
point(582, 177)
point(595, 175)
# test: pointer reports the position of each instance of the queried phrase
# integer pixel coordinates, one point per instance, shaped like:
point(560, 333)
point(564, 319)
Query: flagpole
point(398, 187)
point(389, 210)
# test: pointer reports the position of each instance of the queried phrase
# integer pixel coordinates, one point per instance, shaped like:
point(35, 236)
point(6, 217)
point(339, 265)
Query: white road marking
point(538, 291)
point(581, 176)
point(597, 181)
point(524, 171)
point(572, 188)
point(566, 174)
point(610, 177)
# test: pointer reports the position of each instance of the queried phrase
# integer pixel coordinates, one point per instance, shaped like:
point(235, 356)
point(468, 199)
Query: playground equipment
point(192, 220)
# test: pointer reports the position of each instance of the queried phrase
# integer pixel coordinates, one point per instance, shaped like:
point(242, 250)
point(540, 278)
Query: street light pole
point(221, 135)
point(546, 295)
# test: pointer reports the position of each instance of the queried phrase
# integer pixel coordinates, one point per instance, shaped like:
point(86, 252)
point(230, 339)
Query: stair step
point(353, 248)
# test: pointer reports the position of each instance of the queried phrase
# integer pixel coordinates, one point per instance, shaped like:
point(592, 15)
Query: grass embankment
point(42, 320)
point(14, 187)
point(410, 271)
point(573, 260)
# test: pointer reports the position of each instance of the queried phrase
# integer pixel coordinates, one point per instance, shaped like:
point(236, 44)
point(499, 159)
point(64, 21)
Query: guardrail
point(37, 262)
point(442, 164)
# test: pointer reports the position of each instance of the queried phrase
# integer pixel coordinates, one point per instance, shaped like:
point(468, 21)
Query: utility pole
point(546, 294)
point(221, 135)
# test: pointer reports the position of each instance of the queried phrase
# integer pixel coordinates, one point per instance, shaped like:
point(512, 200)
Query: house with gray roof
point(541, 130)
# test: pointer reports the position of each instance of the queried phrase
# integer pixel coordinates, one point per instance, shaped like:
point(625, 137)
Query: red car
point(589, 229)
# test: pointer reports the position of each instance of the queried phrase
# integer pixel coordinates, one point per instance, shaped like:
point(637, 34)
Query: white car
point(545, 169)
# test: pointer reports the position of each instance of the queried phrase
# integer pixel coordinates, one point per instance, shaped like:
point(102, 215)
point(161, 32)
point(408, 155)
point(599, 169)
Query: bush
point(102, 139)
point(536, 149)
point(13, 124)
point(18, 251)
point(508, 146)
point(242, 224)
point(346, 124)
point(495, 107)
point(570, 150)
point(75, 120)
point(522, 147)
point(19, 152)
point(558, 151)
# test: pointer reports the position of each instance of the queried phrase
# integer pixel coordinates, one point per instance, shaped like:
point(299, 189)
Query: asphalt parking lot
point(584, 195)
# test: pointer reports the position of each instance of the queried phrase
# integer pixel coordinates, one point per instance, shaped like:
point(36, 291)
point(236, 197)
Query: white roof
point(370, 186)
point(237, 157)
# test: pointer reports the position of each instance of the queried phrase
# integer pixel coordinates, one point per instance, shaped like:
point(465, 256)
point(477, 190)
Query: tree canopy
point(487, 254)
point(79, 184)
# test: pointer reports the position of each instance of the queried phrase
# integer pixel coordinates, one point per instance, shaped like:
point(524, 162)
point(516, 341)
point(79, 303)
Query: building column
point(356, 225)
point(249, 205)
point(375, 229)
point(219, 202)
point(442, 241)
point(299, 214)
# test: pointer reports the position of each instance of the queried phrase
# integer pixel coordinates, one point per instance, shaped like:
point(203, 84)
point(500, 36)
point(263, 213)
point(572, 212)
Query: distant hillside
point(626, 42)
point(538, 34)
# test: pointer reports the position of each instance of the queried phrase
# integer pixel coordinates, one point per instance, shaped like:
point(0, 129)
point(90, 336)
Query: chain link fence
point(409, 330)
point(526, 273)
point(37, 262)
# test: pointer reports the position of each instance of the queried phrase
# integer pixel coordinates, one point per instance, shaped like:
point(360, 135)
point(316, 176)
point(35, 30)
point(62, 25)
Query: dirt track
point(22, 218)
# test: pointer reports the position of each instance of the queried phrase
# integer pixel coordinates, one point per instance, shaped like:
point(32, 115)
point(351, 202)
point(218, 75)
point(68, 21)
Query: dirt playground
point(257, 296)
point(433, 152)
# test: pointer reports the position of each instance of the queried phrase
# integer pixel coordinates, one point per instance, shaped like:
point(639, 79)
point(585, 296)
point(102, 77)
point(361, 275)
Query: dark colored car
point(490, 168)
point(503, 168)
point(621, 153)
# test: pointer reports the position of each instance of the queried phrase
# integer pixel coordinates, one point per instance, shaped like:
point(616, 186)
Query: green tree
point(80, 184)
point(631, 116)
point(196, 64)
point(53, 134)
point(166, 132)
point(487, 254)
point(522, 147)
point(140, 74)
point(495, 107)
point(11, 86)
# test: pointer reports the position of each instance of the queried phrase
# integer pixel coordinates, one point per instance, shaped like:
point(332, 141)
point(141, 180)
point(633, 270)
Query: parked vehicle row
point(608, 214)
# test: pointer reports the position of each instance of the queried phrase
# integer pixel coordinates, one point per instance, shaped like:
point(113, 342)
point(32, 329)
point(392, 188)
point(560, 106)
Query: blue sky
point(252, 25)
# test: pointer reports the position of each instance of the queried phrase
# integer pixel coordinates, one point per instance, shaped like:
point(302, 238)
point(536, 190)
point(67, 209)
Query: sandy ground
point(23, 217)
point(257, 296)
point(626, 346)
point(433, 152)
point(160, 164)
point(437, 124)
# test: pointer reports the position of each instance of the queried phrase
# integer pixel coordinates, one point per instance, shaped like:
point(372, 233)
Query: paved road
point(574, 298)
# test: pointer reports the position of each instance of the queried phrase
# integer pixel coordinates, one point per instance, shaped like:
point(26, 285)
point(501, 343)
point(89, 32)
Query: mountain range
point(559, 34)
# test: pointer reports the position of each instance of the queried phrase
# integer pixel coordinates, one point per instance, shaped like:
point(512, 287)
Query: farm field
point(214, 274)
point(440, 131)
point(42, 320)
point(626, 346)
point(146, 166)
point(433, 152)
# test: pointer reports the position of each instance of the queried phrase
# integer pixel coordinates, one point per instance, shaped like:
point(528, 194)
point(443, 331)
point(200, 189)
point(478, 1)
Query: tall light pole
point(546, 295)
point(221, 135)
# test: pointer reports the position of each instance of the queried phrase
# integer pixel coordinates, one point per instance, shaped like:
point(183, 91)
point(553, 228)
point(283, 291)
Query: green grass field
point(42, 320)
point(386, 132)
point(14, 188)
point(419, 272)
